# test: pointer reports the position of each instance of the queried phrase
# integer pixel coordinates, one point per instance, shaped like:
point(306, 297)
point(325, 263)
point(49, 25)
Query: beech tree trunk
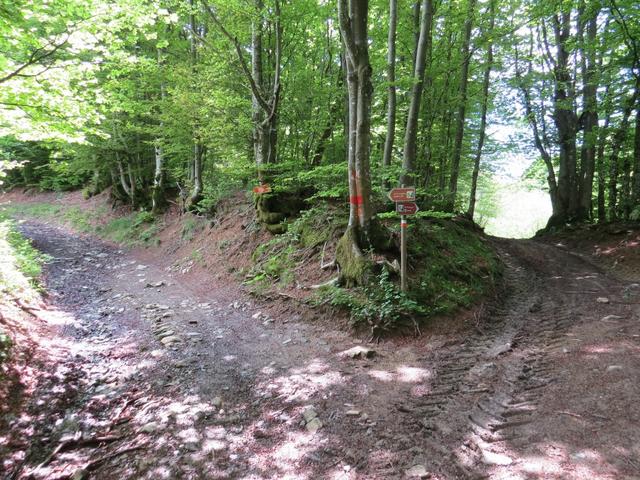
point(196, 161)
point(411, 132)
point(391, 78)
point(157, 191)
point(602, 175)
point(616, 146)
point(590, 118)
point(483, 116)
point(636, 160)
point(462, 106)
point(353, 29)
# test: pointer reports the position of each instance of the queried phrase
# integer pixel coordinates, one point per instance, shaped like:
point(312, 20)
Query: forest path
point(200, 383)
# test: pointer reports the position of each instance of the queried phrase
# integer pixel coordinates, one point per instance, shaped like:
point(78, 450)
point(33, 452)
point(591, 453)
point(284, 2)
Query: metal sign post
point(403, 253)
point(404, 199)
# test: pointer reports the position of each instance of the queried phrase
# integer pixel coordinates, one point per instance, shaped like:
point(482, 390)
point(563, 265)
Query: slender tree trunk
point(483, 116)
point(157, 191)
point(616, 146)
point(260, 133)
point(196, 191)
point(566, 122)
point(123, 179)
point(462, 106)
point(602, 176)
point(391, 79)
point(196, 162)
point(625, 197)
point(636, 160)
point(264, 108)
point(132, 184)
point(411, 132)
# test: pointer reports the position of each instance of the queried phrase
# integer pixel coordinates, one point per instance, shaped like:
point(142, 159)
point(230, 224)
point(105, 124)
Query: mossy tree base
point(273, 209)
point(355, 268)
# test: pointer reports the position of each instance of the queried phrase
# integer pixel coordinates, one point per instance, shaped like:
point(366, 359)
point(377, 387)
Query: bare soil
point(543, 383)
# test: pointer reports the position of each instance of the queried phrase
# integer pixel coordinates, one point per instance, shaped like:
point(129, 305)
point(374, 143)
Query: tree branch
point(255, 89)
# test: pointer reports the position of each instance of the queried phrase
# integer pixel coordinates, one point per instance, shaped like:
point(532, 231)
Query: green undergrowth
point(134, 229)
point(20, 270)
point(275, 262)
point(451, 266)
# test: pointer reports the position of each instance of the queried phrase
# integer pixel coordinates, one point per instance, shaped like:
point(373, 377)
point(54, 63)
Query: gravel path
point(145, 378)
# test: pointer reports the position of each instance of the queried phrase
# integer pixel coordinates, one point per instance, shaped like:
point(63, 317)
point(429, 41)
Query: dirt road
point(150, 376)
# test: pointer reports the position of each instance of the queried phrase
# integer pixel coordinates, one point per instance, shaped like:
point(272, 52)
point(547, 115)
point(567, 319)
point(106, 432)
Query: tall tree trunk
point(157, 191)
point(353, 28)
point(636, 161)
point(602, 175)
point(260, 132)
point(411, 132)
point(566, 122)
point(196, 161)
point(391, 79)
point(590, 117)
point(196, 192)
point(616, 146)
point(462, 106)
point(483, 116)
point(625, 196)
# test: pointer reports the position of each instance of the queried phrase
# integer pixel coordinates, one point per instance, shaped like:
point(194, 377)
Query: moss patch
point(355, 267)
point(452, 264)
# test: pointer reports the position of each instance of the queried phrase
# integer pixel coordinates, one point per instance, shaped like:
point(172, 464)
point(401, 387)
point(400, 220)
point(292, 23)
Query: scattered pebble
point(418, 471)
point(309, 413)
point(358, 352)
point(314, 425)
point(491, 458)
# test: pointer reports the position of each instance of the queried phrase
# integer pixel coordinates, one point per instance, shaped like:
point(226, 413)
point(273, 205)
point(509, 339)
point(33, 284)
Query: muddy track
point(484, 393)
point(486, 388)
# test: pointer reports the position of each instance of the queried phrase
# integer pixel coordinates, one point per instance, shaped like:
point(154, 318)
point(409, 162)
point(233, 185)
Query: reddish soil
point(542, 385)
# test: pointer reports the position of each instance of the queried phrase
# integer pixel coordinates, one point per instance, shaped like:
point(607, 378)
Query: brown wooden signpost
point(403, 194)
point(262, 188)
point(406, 208)
point(404, 198)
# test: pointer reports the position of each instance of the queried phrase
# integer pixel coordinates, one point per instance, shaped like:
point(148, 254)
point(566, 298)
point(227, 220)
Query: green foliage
point(135, 229)
point(277, 259)
point(191, 225)
point(21, 252)
point(380, 304)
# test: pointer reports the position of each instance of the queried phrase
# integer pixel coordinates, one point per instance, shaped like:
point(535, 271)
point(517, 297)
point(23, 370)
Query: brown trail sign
point(407, 194)
point(406, 208)
point(405, 205)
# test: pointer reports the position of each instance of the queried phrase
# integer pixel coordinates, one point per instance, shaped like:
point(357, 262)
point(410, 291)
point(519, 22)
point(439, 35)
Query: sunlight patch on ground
point(404, 374)
point(301, 384)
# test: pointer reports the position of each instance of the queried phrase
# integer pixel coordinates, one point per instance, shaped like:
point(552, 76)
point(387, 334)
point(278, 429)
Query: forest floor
point(140, 372)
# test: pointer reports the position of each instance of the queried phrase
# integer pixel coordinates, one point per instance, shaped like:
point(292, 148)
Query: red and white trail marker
point(263, 188)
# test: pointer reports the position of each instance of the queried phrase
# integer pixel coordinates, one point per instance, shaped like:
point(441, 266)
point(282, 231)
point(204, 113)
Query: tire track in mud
point(486, 390)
